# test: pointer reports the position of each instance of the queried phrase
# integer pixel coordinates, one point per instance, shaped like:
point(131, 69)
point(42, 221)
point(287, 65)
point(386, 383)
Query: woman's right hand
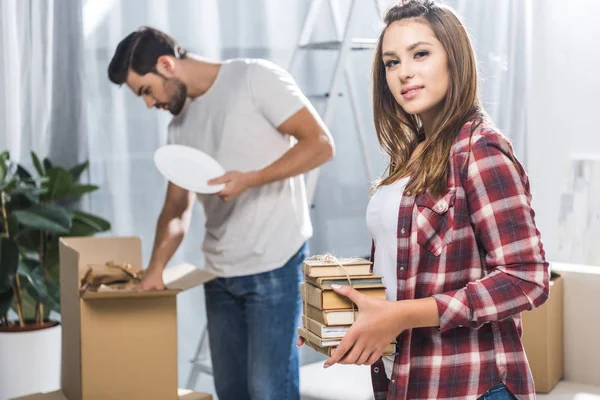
point(377, 325)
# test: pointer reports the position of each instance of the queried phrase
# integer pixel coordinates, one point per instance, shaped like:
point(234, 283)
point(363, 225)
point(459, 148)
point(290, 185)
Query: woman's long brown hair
point(399, 132)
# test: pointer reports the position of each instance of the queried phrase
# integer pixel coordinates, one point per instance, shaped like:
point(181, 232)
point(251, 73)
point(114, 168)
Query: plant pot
point(30, 360)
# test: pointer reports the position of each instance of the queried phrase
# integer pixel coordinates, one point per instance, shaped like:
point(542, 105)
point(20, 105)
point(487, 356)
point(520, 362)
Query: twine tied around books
point(328, 258)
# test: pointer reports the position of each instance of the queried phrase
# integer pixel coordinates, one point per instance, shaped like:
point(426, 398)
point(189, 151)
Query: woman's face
point(416, 66)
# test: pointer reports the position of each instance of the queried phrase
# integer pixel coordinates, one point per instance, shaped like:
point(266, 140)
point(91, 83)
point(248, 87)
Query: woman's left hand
point(378, 324)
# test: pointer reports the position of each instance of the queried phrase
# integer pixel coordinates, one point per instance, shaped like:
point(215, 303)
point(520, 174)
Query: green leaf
point(22, 200)
point(77, 170)
point(31, 192)
point(13, 227)
point(49, 218)
point(22, 173)
point(80, 190)
point(79, 229)
point(34, 195)
point(38, 181)
point(51, 263)
point(59, 184)
point(103, 224)
point(6, 300)
point(9, 185)
point(53, 270)
point(9, 262)
point(48, 164)
point(50, 298)
point(2, 171)
point(8, 171)
point(37, 164)
point(28, 240)
point(30, 303)
point(87, 224)
point(40, 288)
point(27, 301)
point(4, 162)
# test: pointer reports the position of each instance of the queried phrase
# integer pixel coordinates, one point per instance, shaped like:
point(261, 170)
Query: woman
point(453, 230)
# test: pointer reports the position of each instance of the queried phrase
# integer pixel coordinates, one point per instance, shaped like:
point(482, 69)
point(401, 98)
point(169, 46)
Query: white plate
point(188, 168)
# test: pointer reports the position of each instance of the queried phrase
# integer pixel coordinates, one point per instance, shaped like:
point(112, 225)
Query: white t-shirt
point(235, 122)
point(382, 221)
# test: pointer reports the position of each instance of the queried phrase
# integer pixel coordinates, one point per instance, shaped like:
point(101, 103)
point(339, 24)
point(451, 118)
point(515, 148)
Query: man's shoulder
point(249, 63)
point(256, 70)
point(255, 66)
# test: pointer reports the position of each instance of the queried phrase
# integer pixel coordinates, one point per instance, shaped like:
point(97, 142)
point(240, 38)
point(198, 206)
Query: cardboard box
point(59, 395)
point(118, 345)
point(543, 338)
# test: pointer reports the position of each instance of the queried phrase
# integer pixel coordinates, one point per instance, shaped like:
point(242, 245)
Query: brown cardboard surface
point(118, 345)
point(543, 338)
point(70, 314)
point(185, 394)
point(131, 343)
point(90, 295)
point(59, 395)
point(185, 276)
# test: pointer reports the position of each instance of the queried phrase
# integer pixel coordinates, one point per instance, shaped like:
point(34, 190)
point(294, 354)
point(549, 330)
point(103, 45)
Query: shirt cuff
point(453, 308)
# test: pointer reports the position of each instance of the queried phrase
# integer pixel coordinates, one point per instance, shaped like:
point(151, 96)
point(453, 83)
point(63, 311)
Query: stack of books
point(327, 316)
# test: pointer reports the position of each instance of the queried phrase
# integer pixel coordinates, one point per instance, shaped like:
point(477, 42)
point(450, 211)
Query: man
point(244, 113)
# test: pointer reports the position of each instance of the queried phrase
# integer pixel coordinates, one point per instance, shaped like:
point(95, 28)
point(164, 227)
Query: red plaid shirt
point(478, 252)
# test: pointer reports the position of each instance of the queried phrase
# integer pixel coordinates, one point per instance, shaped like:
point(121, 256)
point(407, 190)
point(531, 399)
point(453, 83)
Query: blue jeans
point(498, 392)
point(252, 322)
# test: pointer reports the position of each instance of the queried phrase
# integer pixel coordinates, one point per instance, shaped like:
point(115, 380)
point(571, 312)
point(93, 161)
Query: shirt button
point(441, 207)
point(376, 370)
point(401, 268)
point(402, 230)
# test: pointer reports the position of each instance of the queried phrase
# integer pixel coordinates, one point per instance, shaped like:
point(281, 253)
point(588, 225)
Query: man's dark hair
point(140, 51)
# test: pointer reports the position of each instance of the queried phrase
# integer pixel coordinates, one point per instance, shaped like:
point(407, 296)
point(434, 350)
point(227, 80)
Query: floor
point(350, 382)
point(571, 391)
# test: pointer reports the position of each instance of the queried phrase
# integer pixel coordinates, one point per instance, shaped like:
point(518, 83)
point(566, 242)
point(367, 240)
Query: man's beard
point(178, 94)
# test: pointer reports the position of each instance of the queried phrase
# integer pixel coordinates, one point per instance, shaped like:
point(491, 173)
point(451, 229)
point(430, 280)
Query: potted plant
point(34, 212)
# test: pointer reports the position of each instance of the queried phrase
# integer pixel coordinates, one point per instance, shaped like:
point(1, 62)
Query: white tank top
point(382, 221)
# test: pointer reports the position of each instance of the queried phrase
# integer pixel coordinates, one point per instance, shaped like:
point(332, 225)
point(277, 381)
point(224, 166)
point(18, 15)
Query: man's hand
point(235, 183)
point(377, 325)
point(152, 281)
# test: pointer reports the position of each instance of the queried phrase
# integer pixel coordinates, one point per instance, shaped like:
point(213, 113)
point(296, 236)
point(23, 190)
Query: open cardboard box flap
point(185, 276)
point(176, 278)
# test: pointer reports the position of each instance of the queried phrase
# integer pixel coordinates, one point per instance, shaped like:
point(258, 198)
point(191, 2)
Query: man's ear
point(165, 65)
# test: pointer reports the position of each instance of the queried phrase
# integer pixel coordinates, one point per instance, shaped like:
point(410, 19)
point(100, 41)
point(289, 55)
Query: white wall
point(563, 104)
